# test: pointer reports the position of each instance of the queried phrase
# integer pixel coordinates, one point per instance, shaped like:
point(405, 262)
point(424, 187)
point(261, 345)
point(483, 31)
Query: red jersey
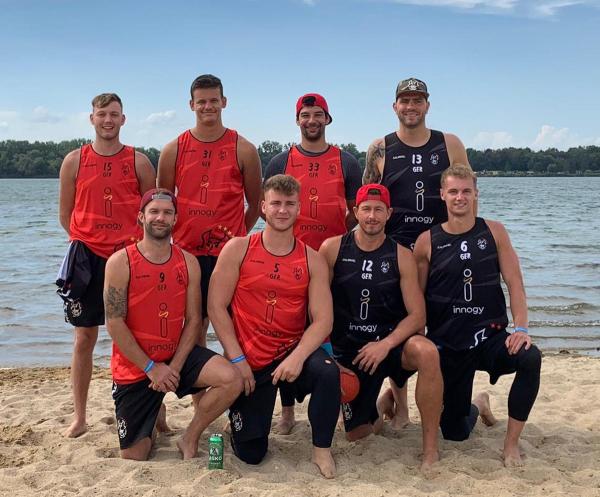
point(107, 201)
point(210, 193)
point(322, 195)
point(156, 298)
point(270, 302)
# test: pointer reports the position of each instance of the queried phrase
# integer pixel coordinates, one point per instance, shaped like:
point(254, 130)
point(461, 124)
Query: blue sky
point(500, 72)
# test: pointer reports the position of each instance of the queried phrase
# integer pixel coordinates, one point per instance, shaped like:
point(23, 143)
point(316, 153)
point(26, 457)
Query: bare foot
point(161, 421)
point(287, 421)
point(188, 450)
point(512, 457)
point(324, 461)
point(482, 401)
point(429, 460)
point(388, 409)
point(76, 429)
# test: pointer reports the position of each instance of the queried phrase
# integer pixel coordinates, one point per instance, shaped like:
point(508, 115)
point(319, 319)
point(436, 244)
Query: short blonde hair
point(459, 171)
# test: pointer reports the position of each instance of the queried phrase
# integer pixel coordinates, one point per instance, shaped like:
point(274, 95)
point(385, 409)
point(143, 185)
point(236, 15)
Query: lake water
point(554, 224)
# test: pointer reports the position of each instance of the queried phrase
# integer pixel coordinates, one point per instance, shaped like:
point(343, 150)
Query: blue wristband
point(238, 359)
point(522, 329)
point(149, 366)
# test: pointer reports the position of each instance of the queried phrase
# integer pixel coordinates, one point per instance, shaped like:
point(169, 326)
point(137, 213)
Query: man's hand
point(371, 355)
point(516, 340)
point(247, 376)
point(163, 378)
point(289, 369)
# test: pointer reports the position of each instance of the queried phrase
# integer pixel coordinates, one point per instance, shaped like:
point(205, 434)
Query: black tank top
point(465, 301)
point(412, 175)
point(367, 301)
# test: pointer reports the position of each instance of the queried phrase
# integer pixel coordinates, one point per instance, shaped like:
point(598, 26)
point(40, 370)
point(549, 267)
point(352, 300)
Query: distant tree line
point(23, 159)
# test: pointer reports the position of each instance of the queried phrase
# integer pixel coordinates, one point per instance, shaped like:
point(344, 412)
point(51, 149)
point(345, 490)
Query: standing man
point(378, 312)
point(270, 280)
point(409, 162)
point(211, 169)
point(152, 300)
point(460, 263)
point(100, 189)
point(329, 179)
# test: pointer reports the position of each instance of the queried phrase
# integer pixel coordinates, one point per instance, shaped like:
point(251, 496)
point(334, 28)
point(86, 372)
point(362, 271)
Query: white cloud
point(160, 117)
point(493, 139)
point(3, 125)
point(535, 8)
point(42, 115)
point(560, 138)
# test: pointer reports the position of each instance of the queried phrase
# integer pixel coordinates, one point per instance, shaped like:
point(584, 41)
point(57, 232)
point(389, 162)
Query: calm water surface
point(553, 222)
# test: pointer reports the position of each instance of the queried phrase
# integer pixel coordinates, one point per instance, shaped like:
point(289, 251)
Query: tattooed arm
point(116, 281)
point(374, 162)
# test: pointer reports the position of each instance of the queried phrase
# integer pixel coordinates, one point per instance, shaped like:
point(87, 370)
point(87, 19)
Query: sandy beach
point(561, 441)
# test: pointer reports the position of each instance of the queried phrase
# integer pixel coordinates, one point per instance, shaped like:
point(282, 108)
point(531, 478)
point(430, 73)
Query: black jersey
point(367, 301)
point(412, 175)
point(465, 301)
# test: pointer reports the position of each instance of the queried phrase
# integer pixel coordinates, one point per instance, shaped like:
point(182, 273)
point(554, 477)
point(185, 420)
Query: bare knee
point(420, 354)
point(85, 339)
point(139, 451)
point(359, 432)
point(225, 375)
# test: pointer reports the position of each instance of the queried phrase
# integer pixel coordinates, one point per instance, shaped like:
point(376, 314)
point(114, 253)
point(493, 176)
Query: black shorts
point(88, 310)
point(251, 416)
point(363, 409)
point(137, 405)
point(458, 371)
point(207, 266)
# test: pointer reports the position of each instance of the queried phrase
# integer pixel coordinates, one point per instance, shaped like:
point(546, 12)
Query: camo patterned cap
point(411, 85)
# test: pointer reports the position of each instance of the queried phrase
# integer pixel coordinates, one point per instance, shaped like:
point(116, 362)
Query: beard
point(158, 234)
point(312, 136)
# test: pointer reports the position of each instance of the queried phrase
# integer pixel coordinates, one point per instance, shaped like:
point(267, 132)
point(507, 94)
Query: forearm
point(127, 344)
point(225, 332)
point(188, 339)
point(312, 339)
point(409, 326)
point(518, 308)
point(65, 222)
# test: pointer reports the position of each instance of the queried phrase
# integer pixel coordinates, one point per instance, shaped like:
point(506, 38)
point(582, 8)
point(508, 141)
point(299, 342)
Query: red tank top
point(107, 200)
point(210, 193)
point(270, 302)
point(156, 298)
point(322, 195)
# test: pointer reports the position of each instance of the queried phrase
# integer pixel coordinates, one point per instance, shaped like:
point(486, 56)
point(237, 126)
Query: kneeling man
point(460, 262)
point(271, 279)
point(378, 312)
point(152, 301)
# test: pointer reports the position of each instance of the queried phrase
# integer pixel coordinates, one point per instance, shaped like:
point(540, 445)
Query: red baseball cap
point(158, 194)
point(373, 191)
point(311, 99)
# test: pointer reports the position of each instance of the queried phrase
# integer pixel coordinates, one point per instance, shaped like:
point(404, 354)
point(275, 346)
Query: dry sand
point(561, 440)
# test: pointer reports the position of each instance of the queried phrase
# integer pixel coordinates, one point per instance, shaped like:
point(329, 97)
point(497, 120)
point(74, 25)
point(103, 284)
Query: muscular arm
point(374, 162)
point(457, 153)
point(144, 172)
point(249, 162)
point(193, 318)
point(422, 254)
point(330, 249)
point(66, 193)
point(166, 166)
point(116, 281)
point(222, 286)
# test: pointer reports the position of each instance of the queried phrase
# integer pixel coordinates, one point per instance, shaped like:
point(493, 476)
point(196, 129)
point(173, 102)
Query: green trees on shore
point(23, 159)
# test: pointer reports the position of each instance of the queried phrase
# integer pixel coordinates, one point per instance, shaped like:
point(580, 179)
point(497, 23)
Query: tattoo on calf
point(375, 153)
point(115, 302)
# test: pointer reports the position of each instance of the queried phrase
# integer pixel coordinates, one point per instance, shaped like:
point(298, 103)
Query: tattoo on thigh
point(115, 302)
